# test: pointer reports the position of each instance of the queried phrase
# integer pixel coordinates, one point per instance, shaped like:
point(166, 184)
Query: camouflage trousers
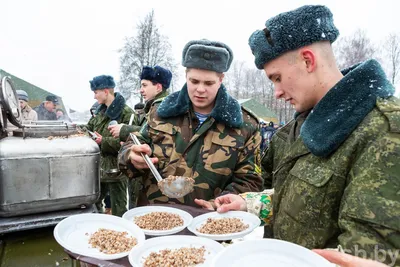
point(135, 185)
point(118, 196)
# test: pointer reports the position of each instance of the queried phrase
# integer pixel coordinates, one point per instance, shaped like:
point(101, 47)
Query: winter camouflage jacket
point(139, 121)
point(336, 169)
point(45, 115)
point(109, 146)
point(222, 155)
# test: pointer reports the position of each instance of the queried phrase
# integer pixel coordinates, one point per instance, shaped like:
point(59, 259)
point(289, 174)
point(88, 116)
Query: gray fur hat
point(208, 55)
point(291, 30)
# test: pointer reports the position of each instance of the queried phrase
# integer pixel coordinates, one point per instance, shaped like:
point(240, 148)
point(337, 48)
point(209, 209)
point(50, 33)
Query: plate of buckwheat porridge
point(159, 220)
point(100, 236)
point(224, 226)
point(175, 251)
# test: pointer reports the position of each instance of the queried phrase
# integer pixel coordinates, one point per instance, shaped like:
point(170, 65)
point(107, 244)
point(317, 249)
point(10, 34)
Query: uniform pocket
point(220, 153)
point(306, 192)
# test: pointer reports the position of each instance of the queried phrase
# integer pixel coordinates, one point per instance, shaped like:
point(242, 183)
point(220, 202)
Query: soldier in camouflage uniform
point(154, 85)
point(199, 132)
point(335, 168)
point(112, 107)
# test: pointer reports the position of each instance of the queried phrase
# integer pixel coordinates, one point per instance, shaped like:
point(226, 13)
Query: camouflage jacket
point(43, 114)
point(336, 169)
point(139, 121)
point(109, 146)
point(221, 155)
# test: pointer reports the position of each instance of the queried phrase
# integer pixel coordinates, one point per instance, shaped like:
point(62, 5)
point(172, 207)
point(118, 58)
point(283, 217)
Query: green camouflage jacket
point(336, 169)
point(221, 155)
point(138, 122)
point(109, 146)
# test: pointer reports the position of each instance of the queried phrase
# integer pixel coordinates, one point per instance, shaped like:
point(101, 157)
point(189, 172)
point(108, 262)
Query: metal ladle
point(176, 188)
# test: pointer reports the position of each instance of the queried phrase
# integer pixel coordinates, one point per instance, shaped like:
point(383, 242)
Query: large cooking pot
point(45, 166)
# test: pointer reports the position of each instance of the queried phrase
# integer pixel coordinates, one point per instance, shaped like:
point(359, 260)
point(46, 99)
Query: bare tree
point(236, 78)
point(392, 56)
point(354, 49)
point(148, 48)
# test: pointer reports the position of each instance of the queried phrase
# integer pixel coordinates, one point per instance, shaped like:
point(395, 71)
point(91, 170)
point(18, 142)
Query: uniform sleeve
point(124, 162)
point(247, 174)
point(260, 204)
point(126, 130)
point(267, 164)
point(369, 215)
point(110, 144)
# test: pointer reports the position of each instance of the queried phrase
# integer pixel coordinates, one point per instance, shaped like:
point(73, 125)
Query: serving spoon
point(173, 186)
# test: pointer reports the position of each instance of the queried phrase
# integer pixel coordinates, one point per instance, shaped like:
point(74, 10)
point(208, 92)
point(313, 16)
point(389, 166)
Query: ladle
point(177, 187)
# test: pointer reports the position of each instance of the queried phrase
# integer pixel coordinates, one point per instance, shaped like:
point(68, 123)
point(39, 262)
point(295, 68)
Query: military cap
point(158, 75)
point(208, 55)
point(291, 30)
point(52, 98)
point(102, 82)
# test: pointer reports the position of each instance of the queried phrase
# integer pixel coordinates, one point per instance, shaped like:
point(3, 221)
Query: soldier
point(199, 132)
point(139, 110)
point(335, 168)
point(111, 107)
point(46, 110)
point(28, 114)
point(154, 85)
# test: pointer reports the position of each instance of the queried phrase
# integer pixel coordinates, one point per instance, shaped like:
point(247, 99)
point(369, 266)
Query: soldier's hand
point(115, 129)
point(136, 158)
point(205, 204)
point(346, 260)
point(230, 202)
point(99, 138)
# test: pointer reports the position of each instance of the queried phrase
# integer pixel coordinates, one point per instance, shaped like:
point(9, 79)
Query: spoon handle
point(147, 159)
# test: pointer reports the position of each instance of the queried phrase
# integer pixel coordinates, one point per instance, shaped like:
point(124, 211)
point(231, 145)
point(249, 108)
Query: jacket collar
point(150, 102)
point(227, 110)
point(342, 109)
point(114, 111)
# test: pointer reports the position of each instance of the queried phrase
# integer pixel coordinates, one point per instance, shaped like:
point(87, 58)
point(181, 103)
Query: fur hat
point(291, 30)
point(22, 95)
point(208, 55)
point(102, 82)
point(158, 75)
point(52, 98)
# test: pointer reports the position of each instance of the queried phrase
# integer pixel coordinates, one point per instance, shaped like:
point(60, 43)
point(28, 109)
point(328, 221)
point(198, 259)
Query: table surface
point(124, 261)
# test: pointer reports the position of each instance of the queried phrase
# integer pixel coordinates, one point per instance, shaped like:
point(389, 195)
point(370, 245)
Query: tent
point(36, 94)
point(258, 109)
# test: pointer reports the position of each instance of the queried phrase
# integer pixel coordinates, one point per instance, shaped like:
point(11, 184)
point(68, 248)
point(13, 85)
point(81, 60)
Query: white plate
point(268, 252)
point(137, 256)
point(247, 218)
point(140, 211)
point(70, 233)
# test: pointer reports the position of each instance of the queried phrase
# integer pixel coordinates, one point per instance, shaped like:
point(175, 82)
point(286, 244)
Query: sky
point(61, 45)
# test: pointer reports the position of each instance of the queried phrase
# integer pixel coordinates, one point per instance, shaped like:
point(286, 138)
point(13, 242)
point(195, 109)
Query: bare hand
point(346, 260)
point(205, 204)
point(99, 138)
point(230, 202)
point(136, 158)
point(115, 129)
